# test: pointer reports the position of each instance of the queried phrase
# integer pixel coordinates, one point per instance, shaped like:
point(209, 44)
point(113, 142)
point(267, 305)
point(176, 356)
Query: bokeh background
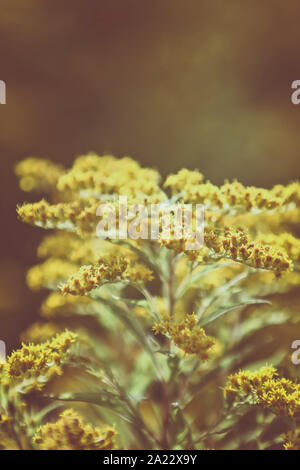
point(199, 84)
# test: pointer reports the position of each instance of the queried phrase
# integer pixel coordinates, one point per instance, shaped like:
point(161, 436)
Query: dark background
point(172, 83)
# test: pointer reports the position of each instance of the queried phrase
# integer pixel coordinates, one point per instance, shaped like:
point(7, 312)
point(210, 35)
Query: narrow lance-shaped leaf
point(221, 311)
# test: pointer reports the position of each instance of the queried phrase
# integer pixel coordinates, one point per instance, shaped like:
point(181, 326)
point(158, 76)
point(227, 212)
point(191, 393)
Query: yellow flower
point(75, 215)
point(231, 197)
point(248, 226)
point(50, 273)
point(233, 244)
point(57, 305)
point(92, 175)
point(283, 241)
point(186, 335)
point(138, 272)
point(69, 432)
point(265, 388)
point(109, 269)
point(40, 332)
point(38, 362)
point(92, 276)
point(183, 180)
point(38, 174)
point(292, 439)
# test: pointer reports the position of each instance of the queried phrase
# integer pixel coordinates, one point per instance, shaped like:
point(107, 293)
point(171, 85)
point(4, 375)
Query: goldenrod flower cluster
point(40, 332)
point(231, 195)
point(66, 245)
point(38, 174)
point(57, 305)
point(50, 274)
point(292, 440)
point(138, 273)
point(286, 242)
point(236, 245)
point(110, 269)
point(182, 180)
point(69, 432)
point(94, 175)
point(186, 335)
point(141, 355)
point(75, 215)
point(265, 388)
point(92, 276)
point(38, 361)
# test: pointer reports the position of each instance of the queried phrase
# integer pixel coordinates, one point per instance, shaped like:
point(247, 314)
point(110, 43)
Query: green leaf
point(220, 291)
point(138, 303)
point(221, 311)
point(96, 398)
point(103, 399)
point(131, 323)
point(190, 280)
point(209, 268)
point(134, 326)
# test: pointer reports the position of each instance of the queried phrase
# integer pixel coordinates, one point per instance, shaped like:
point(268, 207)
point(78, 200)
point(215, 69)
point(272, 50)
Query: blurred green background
point(201, 83)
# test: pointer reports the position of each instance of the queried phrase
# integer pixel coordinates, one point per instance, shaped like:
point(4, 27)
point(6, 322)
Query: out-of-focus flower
point(70, 432)
point(37, 174)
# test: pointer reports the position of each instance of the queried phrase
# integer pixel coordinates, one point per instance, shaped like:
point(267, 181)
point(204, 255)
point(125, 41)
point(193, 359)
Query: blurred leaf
point(104, 400)
point(188, 282)
point(221, 311)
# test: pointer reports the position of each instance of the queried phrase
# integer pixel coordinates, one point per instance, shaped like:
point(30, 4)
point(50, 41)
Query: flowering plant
point(146, 339)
